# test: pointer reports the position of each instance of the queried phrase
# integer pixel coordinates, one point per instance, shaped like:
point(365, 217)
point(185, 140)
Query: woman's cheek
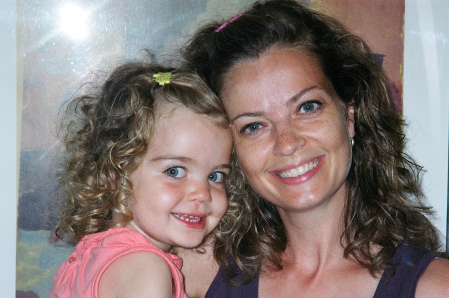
point(250, 156)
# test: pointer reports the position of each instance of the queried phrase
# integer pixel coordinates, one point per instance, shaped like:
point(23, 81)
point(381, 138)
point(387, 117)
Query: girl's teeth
point(187, 218)
point(301, 170)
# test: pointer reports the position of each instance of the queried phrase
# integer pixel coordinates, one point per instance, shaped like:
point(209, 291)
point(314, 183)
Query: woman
point(330, 204)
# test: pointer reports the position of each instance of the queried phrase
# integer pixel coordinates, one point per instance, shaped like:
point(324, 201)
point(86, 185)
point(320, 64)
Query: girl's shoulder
point(119, 236)
point(113, 260)
point(138, 274)
point(138, 268)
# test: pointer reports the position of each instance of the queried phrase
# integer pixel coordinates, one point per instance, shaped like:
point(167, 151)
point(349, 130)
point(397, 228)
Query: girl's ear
point(350, 119)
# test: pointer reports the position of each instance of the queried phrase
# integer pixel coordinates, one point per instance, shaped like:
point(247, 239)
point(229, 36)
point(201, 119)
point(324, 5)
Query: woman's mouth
point(188, 218)
point(298, 171)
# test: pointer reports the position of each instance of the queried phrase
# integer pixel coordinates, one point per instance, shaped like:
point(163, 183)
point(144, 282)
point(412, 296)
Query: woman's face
point(291, 134)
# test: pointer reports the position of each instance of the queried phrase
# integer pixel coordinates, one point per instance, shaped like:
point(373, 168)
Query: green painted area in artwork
point(37, 261)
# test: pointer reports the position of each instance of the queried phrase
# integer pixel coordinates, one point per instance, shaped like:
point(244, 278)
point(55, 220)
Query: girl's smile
point(179, 186)
point(191, 221)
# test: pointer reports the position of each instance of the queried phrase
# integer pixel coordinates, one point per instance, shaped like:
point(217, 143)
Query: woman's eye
point(309, 106)
point(217, 177)
point(250, 128)
point(176, 172)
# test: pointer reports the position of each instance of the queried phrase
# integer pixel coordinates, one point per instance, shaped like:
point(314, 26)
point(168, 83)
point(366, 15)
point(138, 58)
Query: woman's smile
point(300, 170)
point(291, 132)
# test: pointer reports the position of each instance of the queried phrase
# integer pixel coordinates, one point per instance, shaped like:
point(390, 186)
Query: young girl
point(147, 159)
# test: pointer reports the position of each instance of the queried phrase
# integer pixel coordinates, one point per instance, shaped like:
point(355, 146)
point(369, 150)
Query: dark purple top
point(411, 262)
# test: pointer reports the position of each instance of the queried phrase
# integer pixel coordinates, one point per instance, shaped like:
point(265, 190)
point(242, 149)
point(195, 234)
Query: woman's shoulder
point(199, 269)
point(410, 265)
point(433, 282)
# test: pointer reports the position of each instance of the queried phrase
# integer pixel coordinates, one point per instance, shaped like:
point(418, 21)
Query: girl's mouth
point(301, 170)
point(188, 218)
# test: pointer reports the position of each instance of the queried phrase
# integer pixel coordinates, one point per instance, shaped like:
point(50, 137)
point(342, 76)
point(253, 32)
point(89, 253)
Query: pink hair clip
point(228, 22)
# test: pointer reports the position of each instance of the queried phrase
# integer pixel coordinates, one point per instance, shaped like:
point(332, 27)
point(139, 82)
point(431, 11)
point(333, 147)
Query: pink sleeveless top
point(79, 275)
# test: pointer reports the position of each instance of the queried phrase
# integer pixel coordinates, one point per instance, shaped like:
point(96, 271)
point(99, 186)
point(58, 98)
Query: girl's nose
point(287, 141)
point(200, 192)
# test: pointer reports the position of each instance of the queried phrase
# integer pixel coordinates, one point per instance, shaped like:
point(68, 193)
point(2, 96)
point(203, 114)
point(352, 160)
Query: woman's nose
point(287, 141)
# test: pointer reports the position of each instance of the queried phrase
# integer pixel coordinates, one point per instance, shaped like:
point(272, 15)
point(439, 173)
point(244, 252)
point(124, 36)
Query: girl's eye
point(250, 128)
point(176, 172)
point(217, 177)
point(309, 106)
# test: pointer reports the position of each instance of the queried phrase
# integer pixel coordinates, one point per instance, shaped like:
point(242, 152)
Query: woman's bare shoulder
point(199, 269)
point(434, 282)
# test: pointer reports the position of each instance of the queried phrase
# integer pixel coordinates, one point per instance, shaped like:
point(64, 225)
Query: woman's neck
point(314, 235)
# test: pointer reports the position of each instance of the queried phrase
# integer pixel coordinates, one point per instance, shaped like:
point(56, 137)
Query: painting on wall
point(381, 25)
point(60, 45)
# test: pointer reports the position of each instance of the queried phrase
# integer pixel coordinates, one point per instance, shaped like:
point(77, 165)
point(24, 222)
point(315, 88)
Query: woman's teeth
point(301, 170)
point(187, 218)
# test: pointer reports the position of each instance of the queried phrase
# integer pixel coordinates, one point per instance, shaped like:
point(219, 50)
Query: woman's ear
point(350, 119)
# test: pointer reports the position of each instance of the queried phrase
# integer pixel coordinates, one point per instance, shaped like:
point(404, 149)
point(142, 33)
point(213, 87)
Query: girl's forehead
point(172, 115)
point(166, 112)
point(165, 109)
point(178, 129)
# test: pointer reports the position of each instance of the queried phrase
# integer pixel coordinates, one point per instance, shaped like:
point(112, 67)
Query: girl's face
point(179, 186)
point(290, 130)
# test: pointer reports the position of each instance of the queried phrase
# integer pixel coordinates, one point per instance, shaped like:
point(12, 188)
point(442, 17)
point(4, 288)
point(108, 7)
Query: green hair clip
point(162, 77)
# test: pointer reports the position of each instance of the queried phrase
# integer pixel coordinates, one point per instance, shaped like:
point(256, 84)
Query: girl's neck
point(133, 226)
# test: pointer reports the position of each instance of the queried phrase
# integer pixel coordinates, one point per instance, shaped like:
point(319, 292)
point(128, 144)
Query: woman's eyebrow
point(251, 114)
point(290, 101)
point(298, 96)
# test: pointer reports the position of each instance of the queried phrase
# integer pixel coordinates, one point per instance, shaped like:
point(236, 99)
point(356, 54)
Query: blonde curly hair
point(106, 133)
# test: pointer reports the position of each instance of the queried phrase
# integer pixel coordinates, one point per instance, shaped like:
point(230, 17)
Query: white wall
point(426, 96)
point(8, 147)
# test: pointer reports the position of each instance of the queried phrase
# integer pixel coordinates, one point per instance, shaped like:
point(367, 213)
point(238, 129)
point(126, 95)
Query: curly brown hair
point(106, 134)
point(385, 206)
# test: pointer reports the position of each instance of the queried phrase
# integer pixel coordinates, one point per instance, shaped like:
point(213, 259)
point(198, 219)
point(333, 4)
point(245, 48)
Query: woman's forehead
point(273, 73)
